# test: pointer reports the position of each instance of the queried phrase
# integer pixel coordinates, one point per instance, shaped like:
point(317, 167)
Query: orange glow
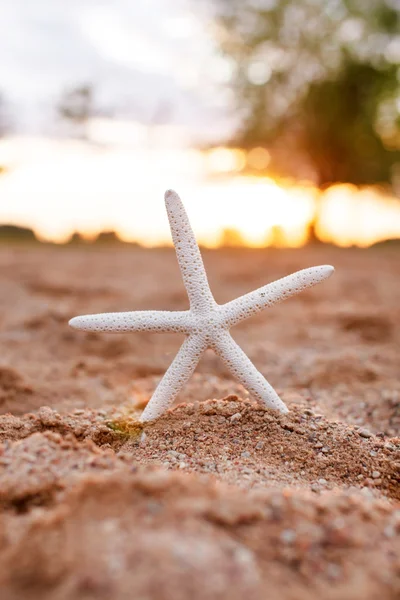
point(60, 186)
point(225, 160)
point(258, 158)
point(358, 216)
point(253, 207)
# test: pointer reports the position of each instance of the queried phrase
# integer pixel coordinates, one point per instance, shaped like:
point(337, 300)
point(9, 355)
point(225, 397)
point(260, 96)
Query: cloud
point(141, 53)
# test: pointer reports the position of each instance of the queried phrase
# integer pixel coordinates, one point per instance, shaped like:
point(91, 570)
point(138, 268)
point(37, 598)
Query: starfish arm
point(250, 304)
point(188, 254)
point(246, 373)
point(145, 320)
point(176, 376)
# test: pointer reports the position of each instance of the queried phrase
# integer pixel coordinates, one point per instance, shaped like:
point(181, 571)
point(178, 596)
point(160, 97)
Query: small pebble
point(246, 454)
point(309, 412)
point(299, 430)
point(236, 417)
point(322, 481)
point(325, 450)
point(287, 426)
point(364, 433)
point(333, 571)
point(390, 446)
point(288, 536)
point(259, 445)
point(375, 474)
point(246, 471)
point(389, 531)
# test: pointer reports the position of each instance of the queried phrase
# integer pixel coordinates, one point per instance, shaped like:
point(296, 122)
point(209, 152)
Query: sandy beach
point(220, 498)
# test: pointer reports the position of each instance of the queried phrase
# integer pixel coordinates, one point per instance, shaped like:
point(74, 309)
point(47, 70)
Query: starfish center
point(208, 323)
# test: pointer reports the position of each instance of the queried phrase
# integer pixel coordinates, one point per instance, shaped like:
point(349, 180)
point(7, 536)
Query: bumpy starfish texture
point(207, 323)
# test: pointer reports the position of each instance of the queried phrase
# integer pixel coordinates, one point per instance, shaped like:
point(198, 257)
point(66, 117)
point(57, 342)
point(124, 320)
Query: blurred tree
point(76, 239)
point(107, 237)
point(76, 107)
point(15, 233)
point(318, 83)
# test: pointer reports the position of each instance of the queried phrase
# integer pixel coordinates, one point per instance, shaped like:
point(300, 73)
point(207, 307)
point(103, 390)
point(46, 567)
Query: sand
point(220, 498)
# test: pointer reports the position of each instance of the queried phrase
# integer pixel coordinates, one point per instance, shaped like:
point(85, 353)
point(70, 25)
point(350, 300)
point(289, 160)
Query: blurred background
point(278, 122)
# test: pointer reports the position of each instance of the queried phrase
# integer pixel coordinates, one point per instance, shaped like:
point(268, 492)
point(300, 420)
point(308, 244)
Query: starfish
point(206, 324)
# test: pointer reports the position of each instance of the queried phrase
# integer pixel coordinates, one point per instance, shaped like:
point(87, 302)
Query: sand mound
point(245, 444)
point(165, 536)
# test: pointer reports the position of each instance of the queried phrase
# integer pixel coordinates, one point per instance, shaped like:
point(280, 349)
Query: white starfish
point(207, 323)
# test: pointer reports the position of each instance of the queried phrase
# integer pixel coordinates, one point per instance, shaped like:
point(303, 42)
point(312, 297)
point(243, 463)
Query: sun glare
point(254, 207)
point(359, 217)
point(58, 187)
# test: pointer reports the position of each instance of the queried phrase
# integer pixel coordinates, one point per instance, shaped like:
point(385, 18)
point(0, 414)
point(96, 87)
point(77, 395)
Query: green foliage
point(340, 132)
point(322, 77)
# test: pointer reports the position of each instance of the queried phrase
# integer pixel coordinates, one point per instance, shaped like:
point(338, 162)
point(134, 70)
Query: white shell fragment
point(206, 324)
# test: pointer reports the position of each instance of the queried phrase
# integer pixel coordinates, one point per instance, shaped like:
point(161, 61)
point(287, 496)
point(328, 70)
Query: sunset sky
point(137, 55)
point(142, 57)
